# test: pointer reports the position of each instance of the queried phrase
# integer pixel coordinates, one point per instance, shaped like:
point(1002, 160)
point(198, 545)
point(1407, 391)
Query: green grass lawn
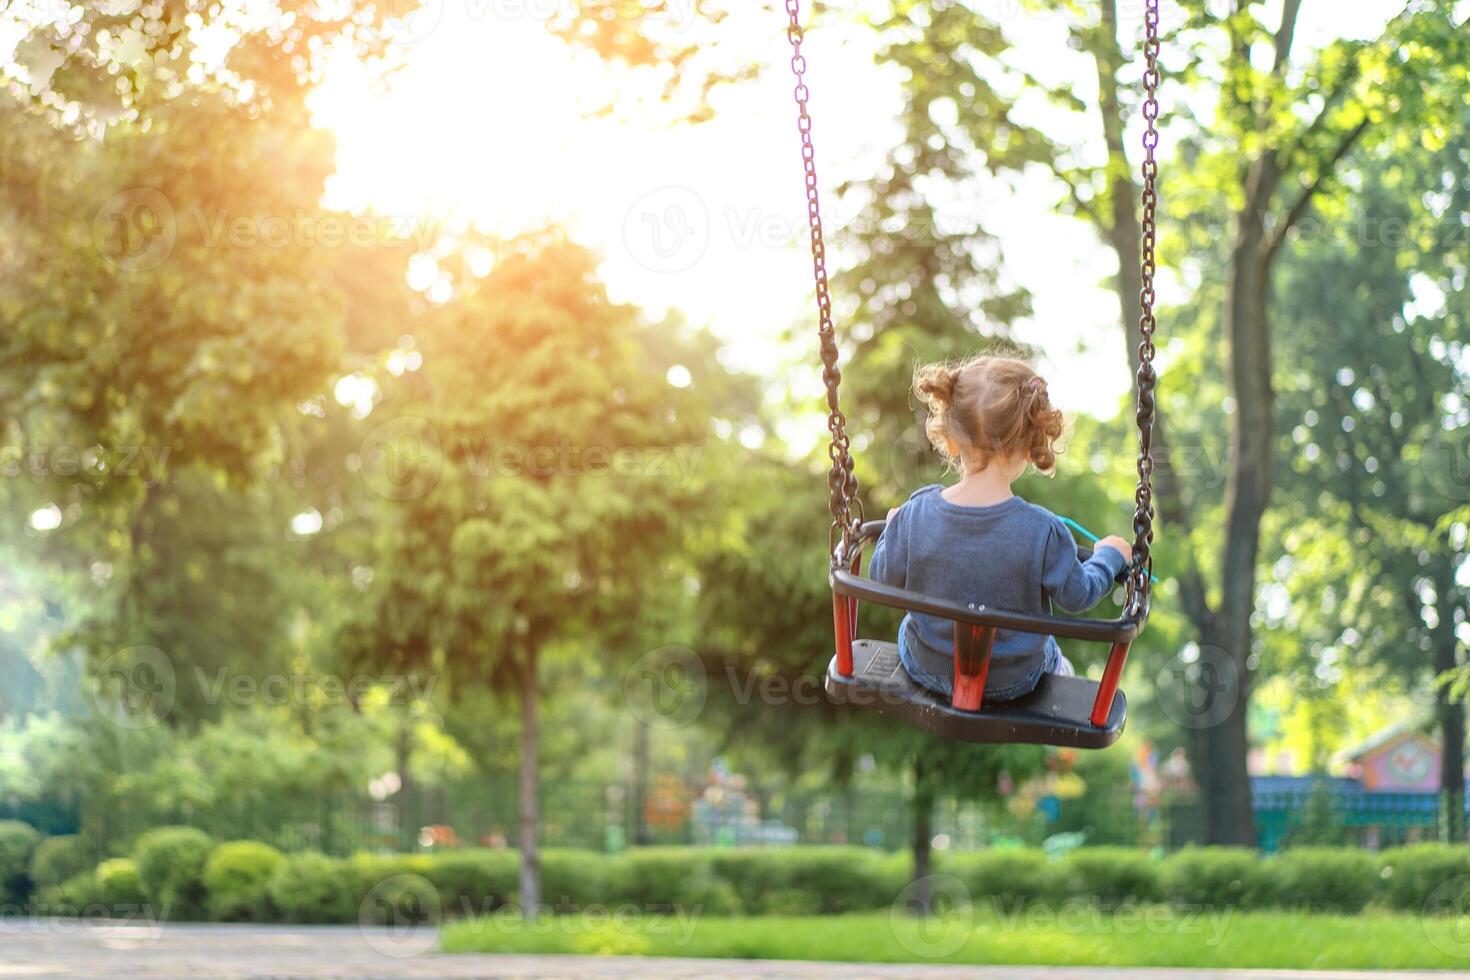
point(1081, 936)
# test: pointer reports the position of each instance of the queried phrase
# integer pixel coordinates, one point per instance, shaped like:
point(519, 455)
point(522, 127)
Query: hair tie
point(1035, 384)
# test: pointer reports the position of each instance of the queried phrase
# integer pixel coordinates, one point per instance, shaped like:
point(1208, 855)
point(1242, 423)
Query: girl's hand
point(1118, 544)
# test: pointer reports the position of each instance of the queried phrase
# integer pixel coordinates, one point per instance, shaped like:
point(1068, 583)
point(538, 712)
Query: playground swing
point(1064, 711)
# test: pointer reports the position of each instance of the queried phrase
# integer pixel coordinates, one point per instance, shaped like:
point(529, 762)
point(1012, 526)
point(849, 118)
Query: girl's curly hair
point(989, 407)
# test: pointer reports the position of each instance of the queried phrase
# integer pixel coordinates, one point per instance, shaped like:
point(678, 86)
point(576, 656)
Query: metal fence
point(600, 816)
point(671, 811)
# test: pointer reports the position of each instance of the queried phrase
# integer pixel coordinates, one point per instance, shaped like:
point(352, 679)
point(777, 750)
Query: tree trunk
point(529, 799)
point(1218, 754)
point(1451, 717)
point(922, 892)
point(1220, 763)
point(408, 825)
point(640, 783)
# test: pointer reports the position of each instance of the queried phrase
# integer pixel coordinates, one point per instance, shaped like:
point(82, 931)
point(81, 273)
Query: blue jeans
point(943, 683)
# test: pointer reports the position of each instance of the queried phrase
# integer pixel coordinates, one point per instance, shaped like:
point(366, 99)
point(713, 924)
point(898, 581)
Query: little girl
point(977, 542)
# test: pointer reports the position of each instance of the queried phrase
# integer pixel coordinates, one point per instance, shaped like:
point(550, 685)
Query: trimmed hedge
point(120, 886)
point(1008, 877)
point(171, 866)
point(1425, 877)
point(58, 859)
point(313, 888)
point(1112, 875)
point(18, 843)
point(1324, 879)
point(1217, 876)
point(178, 872)
point(237, 878)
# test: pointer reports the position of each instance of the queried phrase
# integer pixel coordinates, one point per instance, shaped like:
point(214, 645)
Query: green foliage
point(120, 886)
point(1011, 877)
point(313, 888)
point(237, 880)
point(475, 882)
point(17, 843)
point(1217, 877)
point(805, 881)
point(171, 866)
point(572, 878)
point(1424, 875)
point(58, 858)
point(79, 894)
point(668, 878)
point(1324, 879)
point(1112, 874)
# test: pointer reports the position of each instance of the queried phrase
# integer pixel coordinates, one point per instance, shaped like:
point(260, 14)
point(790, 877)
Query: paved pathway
point(65, 948)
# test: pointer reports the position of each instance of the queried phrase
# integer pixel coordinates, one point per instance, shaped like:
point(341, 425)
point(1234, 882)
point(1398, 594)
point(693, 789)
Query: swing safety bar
point(975, 627)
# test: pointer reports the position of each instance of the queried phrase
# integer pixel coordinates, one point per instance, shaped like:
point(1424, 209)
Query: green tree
point(1369, 429)
point(551, 496)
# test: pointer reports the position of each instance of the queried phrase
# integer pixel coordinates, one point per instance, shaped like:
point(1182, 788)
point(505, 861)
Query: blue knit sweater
point(1013, 555)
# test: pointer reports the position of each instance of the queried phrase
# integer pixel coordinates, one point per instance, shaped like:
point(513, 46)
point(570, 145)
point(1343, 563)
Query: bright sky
point(488, 122)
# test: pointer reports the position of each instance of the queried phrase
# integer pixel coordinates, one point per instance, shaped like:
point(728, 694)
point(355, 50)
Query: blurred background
point(413, 435)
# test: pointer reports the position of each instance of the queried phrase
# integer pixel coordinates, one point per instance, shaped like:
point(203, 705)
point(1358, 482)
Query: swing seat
point(1071, 712)
point(1058, 712)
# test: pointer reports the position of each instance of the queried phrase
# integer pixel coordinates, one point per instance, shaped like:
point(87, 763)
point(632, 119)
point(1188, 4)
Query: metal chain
point(846, 507)
point(1143, 514)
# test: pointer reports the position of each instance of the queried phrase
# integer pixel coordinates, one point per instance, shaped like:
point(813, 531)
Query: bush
point(171, 866)
point(405, 900)
point(1324, 879)
point(17, 843)
point(120, 887)
point(573, 879)
point(237, 878)
point(1112, 875)
point(383, 885)
point(668, 878)
point(1008, 877)
point(810, 880)
point(311, 887)
point(1216, 877)
point(57, 859)
point(475, 882)
point(1412, 876)
point(77, 895)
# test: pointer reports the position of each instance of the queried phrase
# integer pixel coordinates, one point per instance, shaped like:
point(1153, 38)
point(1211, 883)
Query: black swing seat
point(1056, 713)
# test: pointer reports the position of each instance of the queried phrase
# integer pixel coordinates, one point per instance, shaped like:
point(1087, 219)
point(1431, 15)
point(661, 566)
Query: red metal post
point(843, 628)
point(972, 647)
point(1112, 675)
